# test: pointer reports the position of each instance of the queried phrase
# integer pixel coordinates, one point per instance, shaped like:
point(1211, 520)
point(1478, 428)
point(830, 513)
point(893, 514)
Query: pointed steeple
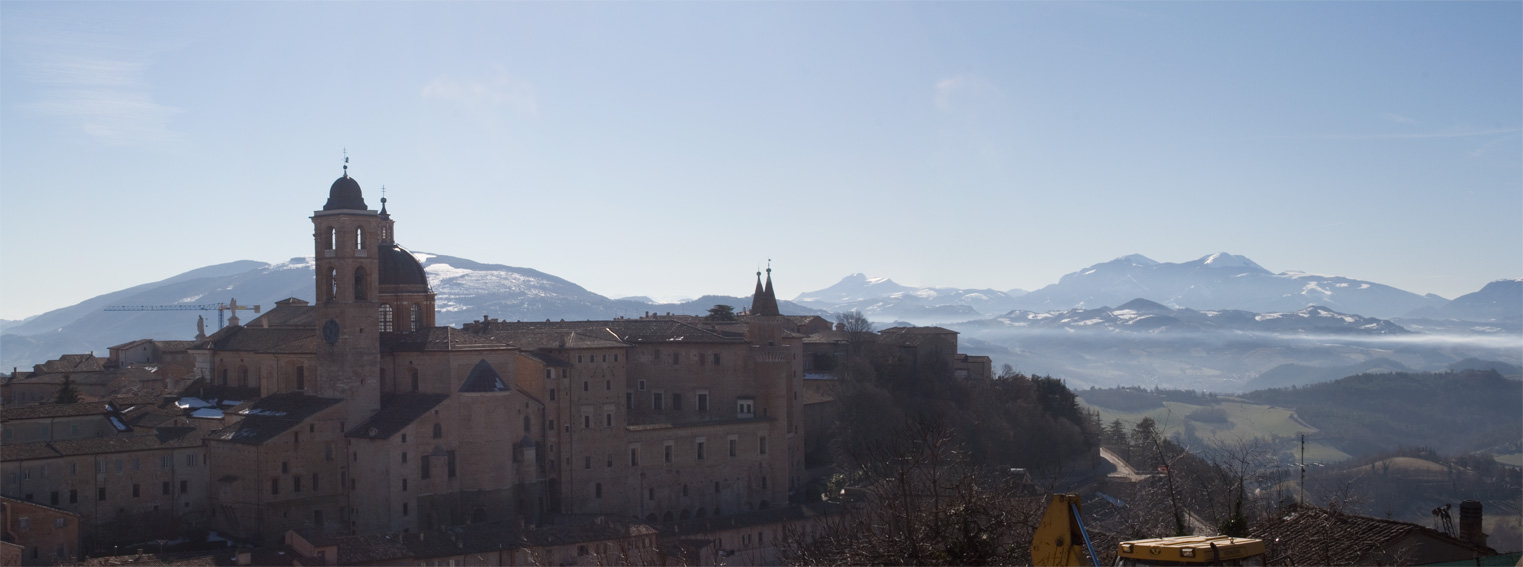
point(765, 302)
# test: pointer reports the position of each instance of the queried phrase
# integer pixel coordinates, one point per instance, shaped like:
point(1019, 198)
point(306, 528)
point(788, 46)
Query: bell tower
point(346, 237)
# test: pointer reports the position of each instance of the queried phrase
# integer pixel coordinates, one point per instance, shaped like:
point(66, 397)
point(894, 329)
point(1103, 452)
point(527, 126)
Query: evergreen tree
point(68, 393)
point(721, 313)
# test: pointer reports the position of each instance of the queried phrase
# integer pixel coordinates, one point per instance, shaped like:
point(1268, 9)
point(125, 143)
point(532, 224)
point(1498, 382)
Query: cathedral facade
point(358, 415)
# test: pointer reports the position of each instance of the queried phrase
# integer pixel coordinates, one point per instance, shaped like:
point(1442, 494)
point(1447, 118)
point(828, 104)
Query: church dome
point(345, 194)
point(400, 272)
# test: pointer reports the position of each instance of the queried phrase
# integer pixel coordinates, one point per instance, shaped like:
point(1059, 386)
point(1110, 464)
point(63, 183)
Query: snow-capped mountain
point(1143, 316)
point(1220, 281)
point(1500, 301)
point(884, 299)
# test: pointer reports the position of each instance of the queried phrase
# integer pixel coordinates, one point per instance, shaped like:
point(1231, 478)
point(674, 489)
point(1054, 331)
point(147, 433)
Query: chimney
point(1470, 522)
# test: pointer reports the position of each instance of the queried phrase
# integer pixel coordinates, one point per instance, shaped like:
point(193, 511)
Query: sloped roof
point(545, 359)
point(72, 363)
point(1307, 535)
point(397, 412)
point(287, 314)
point(55, 410)
point(597, 334)
point(917, 331)
point(162, 438)
point(271, 416)
point(439, 339)
point(300, 340)
point(483, 378)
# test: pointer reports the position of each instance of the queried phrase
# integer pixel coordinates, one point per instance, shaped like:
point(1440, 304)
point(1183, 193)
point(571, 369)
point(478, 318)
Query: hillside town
point(353, 430)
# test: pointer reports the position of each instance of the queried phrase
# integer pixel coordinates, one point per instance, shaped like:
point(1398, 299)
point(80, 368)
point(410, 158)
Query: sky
point(669, 149)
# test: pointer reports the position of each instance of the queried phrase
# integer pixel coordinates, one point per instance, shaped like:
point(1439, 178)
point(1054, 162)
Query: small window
point(634, 457)
point(584, 385)
point(763, 443)
point(716, 358)
point(552, 390)
point(100, 494)
point(184, 487)
point(640, 385)
point(629, 400)
point(700, 450)
point(608, 385)
point(597, 492)
point(295, 484)
point(587, 464)
point(586, 422)
point(136, 490)
point(676, 402)
point(607, 420)
point(274, 486)
point(676, 357)
point(733, 444)
point(668, 454)
point(416, 319)
point(386, 318)
point(703, 401)
point(656, 401)
point(439, 431)
point(528, 426)
point(166, 488)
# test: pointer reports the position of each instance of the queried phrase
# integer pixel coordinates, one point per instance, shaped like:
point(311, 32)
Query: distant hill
point(1453, 412)
point(882, 299)
point(1286, 375)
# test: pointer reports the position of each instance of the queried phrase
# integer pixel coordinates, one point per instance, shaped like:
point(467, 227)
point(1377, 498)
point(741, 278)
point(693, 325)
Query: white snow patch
point(266, 413)
point(188, 403)
point(191, 298)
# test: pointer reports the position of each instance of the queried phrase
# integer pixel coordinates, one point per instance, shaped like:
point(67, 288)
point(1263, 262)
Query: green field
point(1245, 421)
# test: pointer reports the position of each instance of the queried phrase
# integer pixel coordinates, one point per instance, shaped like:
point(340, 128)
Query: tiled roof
point(200, 388)
point(560, 334)
point(439, 338)
point(72, 363)
point(1306, 535)
point(163, 438)
point(483, 378)
point(917, 331)
point(272, 416)
point(55, 410)
point(397, 412)
point(260, 339)
point(286, 314)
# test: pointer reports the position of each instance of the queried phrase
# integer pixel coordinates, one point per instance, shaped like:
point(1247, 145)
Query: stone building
point(45, 535)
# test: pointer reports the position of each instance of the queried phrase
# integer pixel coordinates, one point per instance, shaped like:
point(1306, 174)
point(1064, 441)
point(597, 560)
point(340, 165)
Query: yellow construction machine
point(1061, 540)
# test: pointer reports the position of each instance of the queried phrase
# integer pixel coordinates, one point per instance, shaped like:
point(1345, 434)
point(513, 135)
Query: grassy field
point(1243, 421)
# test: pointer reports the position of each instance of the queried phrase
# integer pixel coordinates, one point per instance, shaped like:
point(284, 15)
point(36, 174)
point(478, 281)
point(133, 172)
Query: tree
point(924, 503)
point(720, 313)
point(68, 393)
point(857, 329)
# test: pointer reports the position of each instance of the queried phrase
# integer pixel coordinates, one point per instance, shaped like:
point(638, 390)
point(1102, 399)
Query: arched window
point(414, 373)
point(359, 284)
point(413, 321)
point(385, 318)
point(333, 284)
point(332, 243)
point(438, 431)
point(359, 239)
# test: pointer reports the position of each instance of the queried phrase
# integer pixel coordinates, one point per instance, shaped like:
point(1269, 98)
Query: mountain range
point(1213, 323)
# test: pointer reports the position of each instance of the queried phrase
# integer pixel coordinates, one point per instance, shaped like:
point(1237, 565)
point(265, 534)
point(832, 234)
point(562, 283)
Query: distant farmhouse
point(356, 431)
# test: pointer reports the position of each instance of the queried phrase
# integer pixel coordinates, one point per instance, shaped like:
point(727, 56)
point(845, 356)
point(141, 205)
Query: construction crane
point(220, 308)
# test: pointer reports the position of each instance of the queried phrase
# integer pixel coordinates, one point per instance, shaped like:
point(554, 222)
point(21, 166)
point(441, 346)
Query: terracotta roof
point(286, 315)
point(162, 438)
point(261, 339)
point(438, 339)
point(55, 410)
point(597, 334)
point(72, 363)
point(397, 412)
point(917, 331)
point(1306, 535)
point(272, 416)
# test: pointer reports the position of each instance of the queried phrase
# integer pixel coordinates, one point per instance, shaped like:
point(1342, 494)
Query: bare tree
point(857, 328)
point(922, 502)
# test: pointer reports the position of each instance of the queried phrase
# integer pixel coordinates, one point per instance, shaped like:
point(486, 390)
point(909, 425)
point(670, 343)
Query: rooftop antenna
point(346, 162)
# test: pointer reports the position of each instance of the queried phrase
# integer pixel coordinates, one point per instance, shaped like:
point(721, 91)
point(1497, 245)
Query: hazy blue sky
point(668, 149)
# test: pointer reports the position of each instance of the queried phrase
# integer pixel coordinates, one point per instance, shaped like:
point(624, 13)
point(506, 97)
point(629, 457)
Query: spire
point(388, 226)
point(346, 162)
point(765, 300)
